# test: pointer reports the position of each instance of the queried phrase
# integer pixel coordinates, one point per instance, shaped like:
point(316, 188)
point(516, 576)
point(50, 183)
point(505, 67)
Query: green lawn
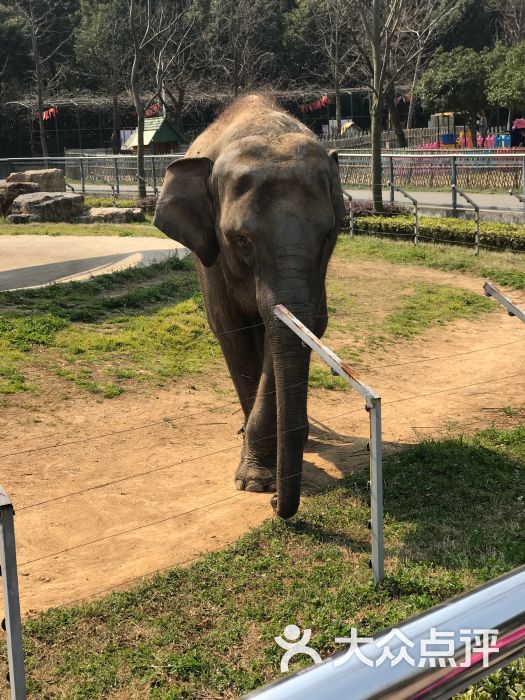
point(454, 517)
point(502, 267)
point(148, 325)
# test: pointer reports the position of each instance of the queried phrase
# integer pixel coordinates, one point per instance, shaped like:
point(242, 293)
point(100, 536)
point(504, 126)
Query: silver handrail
point(497, 605)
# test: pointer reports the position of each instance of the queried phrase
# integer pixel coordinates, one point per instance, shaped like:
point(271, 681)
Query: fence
point(470, 171)
point(473, 170)
point(414, 138)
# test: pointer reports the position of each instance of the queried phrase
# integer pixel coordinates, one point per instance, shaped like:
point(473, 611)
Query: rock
point(49, 206)
point(115, 215)
point(9, 191)
point(19, 218)
point(50, 180)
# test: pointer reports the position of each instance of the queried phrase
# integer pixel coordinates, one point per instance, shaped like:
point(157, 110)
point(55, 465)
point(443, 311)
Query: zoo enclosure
point(473, 170)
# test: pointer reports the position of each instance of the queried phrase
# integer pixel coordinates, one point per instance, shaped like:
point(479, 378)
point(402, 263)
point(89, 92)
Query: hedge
point(502, 236)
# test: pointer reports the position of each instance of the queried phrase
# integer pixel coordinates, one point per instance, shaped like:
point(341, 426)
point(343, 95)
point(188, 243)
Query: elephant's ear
point(336, 191)
point(185, 210)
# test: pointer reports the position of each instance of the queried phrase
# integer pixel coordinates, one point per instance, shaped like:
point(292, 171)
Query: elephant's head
point(268, 210)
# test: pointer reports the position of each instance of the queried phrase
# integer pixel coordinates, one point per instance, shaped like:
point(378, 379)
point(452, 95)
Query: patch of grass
point(453, 519)
point(145, 230)
point(322, 378)
point(140, 323)
point(11, 380)
point(429, 305)
point(503, 268)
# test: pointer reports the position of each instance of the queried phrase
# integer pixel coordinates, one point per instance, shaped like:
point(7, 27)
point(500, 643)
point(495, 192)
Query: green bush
point(502, 236)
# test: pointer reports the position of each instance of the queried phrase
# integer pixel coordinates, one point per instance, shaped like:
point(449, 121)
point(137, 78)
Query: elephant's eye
point(242, 243)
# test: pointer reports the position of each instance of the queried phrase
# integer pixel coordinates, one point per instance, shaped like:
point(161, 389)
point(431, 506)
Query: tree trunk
point(115, 134)
point(376, 106)
point(394, 118)
point(473, 131)
point(509, 119)
point(412, 106)
point(376, 131)
point(137, 100)
point(337, 109)
point(39, 90)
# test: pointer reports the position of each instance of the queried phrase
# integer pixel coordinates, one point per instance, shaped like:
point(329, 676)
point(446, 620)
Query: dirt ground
point(108, 491)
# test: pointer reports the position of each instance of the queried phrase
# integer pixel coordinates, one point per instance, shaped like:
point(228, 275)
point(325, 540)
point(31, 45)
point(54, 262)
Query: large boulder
point(49, 180)
point(9, 191)
point(47, 206)
point(115, 215)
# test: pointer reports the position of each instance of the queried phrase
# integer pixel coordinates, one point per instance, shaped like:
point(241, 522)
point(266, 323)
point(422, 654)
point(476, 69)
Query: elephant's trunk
point(291, 361)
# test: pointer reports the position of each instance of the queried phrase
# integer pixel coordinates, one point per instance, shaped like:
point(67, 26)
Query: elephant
point(258, 200)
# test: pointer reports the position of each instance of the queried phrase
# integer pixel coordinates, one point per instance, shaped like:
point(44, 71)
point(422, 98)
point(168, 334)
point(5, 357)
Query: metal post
point(473, 204)
point(82, 177)
point(376, 489)
point(523, 180)
point(154, 176)
point(117, 181)
point(416, 224)
point(477, 230)
point(350, 213)
point(13, 625)
point(453, 183)
point(391, 178)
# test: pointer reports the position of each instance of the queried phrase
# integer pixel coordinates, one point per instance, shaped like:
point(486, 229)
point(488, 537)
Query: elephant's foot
point(255, 474)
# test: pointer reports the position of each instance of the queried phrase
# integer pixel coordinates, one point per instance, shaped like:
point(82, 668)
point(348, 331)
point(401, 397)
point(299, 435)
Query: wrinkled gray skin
point(259, 202)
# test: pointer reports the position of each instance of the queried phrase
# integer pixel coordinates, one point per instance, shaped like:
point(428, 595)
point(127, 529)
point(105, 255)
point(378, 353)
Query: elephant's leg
point(256, 471)
point(244, 361)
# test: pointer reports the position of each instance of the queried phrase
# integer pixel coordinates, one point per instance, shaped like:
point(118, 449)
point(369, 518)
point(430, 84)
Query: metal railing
point(375, 445)
point(492, 291)
point(480, 170)
point(474, 170)
point(497, 606)
point(12, 623)
point(414, 202)
point(456, 190)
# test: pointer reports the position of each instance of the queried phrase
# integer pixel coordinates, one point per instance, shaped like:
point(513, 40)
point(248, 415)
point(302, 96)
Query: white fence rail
point(373, 407)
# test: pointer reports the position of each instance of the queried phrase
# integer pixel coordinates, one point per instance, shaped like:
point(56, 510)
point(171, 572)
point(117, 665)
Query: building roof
point(156, 130)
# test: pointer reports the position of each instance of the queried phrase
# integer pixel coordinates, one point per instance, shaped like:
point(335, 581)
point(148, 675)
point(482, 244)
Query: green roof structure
point(156, 130)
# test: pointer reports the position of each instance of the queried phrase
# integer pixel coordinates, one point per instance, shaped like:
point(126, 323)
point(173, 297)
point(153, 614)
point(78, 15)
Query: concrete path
point(444, 199)
point(33, 261)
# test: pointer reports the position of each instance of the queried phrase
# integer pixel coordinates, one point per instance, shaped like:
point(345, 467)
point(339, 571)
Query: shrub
point(147, 204)
point(510, 236)
point(365, 207)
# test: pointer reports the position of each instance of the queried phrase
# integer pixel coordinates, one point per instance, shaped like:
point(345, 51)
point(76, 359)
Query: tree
point(455, 81)
point(510, 20)
point(506, 77)
point(14, 52)
point(151, 23)
point(238, 53)
point(101, 47)
point(386, 44)
point(48, 28)
point(320, 33)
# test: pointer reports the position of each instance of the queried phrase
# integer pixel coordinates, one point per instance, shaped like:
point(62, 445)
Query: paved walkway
point(33, 261)
point(444, 199)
